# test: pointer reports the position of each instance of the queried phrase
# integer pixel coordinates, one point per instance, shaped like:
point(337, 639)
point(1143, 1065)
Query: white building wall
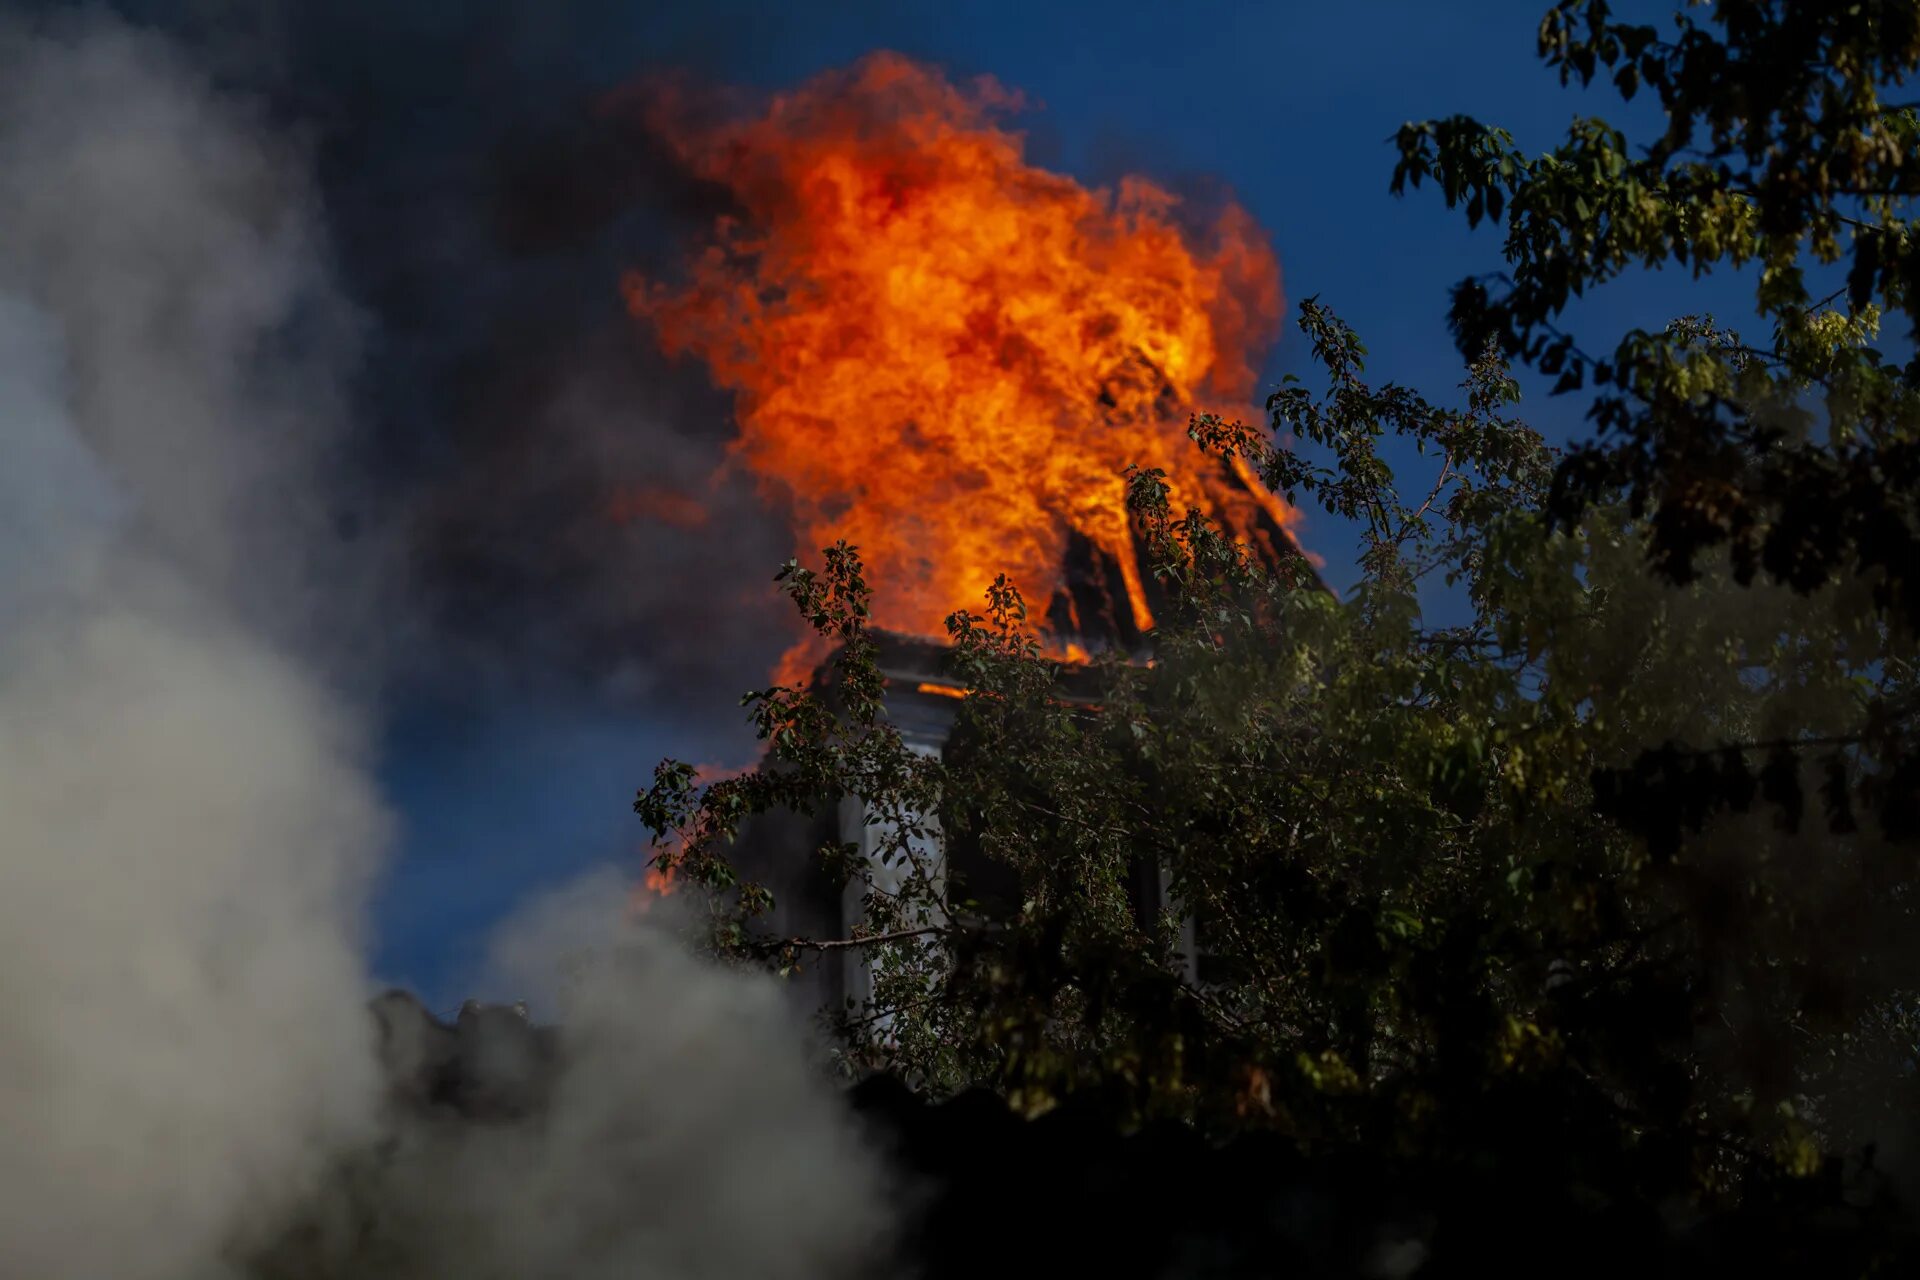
point(871, 838)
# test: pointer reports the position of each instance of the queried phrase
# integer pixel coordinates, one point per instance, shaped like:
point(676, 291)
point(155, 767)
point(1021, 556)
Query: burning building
point(949, 357)
point(922, 702)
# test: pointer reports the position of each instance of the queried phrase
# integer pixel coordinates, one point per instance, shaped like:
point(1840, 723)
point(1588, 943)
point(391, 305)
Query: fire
point(940, 690)
point(948, 356)
point(658, 883)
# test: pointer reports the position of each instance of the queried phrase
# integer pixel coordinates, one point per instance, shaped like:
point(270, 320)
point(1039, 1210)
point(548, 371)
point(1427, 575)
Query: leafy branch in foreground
point(1798, 455)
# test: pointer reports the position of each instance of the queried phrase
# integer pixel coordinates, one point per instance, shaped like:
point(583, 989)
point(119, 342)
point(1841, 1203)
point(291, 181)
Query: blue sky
point(1290, 105)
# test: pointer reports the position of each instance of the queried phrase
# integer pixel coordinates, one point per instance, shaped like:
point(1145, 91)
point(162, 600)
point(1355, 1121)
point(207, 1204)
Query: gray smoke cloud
point(172, 246)
point(683, 1135)
point(188, 827)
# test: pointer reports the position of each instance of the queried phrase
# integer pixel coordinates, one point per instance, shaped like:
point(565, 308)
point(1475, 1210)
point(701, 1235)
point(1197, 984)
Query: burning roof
point(948, 356)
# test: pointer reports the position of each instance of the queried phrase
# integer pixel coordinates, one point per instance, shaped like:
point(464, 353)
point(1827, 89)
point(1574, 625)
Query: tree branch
point(1406, 526)
point(842, 944)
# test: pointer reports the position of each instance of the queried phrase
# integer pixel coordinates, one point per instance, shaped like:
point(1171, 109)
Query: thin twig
point(1406, 526)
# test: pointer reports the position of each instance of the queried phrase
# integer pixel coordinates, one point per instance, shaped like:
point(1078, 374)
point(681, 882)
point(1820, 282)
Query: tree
point(1801, 456)
point(1611, 882)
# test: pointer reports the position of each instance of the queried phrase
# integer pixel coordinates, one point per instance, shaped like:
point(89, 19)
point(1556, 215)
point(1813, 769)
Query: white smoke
point(188, 830)
point(686, 1137)
point(186, 833)
point(185, 845)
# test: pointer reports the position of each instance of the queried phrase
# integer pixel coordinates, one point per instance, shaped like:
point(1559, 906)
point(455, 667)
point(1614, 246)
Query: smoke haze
point(187, 826)
point(197, 619)
point(684, 1137)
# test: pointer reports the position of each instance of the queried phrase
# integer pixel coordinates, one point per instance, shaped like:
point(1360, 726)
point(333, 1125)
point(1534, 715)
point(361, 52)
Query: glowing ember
point(948, 356)
point(940, 690)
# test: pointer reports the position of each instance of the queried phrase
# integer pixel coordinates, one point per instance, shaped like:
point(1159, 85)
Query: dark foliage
point(1587, 924)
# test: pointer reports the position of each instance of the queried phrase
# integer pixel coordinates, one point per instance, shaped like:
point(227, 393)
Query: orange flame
point(658, 883)
point(948, 356)
point(940, 690)
point(662, 878)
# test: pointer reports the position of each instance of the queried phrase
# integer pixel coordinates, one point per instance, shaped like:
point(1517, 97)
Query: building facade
point(777, 849)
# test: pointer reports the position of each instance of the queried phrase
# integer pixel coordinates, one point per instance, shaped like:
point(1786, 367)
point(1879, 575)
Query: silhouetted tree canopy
point(1609, 884)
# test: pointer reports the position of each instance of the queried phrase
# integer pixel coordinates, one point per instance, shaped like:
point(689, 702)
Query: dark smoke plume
point(483, 195)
